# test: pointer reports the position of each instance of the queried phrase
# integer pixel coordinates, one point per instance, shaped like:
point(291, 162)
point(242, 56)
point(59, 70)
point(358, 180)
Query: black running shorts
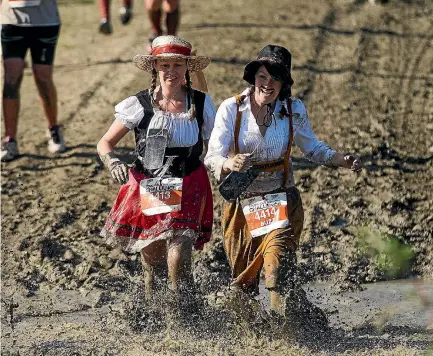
point(41, 40)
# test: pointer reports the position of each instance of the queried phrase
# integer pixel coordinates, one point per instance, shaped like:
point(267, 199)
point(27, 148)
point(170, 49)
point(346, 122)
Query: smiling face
point(171, 71)
point(266, 88)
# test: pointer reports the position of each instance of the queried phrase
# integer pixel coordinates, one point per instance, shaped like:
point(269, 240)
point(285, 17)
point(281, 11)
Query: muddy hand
point(354, 163)
point(119, 170)
point(238, 163)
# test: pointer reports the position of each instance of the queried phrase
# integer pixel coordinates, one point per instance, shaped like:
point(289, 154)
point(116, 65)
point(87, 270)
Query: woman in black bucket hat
point(249, 152)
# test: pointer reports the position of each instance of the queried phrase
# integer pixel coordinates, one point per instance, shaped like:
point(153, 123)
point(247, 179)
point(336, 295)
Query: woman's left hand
point(353, 163)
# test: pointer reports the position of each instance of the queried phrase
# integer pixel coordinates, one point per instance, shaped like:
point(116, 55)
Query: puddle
point(405, 302)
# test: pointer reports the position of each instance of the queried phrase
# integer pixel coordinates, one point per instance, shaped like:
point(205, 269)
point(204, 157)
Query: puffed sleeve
point(129, 112)
point(304, 137)
point(222, 137)
point(209, 117)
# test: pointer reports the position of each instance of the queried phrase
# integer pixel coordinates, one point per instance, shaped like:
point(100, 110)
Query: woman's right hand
point(119, 170)
point(239, 163)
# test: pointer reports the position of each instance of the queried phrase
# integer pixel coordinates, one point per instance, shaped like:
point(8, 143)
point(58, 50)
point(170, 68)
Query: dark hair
point(285, 92)
point(288, 95)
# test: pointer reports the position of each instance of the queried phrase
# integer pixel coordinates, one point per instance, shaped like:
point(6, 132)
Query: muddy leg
point(181, 282)
point(153, 258)
point(179, 263)
point(276, 303)
point(279, 279)
point(294, 302)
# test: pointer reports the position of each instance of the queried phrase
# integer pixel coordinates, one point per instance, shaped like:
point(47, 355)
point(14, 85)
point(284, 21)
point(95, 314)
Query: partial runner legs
point(154, 13)
point(105, 26)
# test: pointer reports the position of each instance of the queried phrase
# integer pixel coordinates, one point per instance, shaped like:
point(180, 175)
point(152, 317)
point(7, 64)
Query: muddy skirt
point(128, 226)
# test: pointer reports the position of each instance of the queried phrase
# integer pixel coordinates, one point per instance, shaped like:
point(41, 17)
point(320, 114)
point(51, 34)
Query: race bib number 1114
point(265, 214)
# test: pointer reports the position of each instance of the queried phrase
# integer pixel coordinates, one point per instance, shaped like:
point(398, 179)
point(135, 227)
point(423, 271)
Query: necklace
point(269, 115)
point(170, 100)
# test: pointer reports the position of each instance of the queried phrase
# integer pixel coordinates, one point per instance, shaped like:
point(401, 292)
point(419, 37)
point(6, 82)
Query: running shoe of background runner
point(9, 150)
point(56, 143)
point(105, 27)
point(125, 15)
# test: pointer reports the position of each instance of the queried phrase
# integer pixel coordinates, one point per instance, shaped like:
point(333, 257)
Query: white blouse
point(271, 146)
point(183, 132)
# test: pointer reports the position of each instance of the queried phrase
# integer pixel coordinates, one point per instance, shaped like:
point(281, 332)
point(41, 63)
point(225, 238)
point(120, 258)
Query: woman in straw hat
point(249, 151)
point(164, 206)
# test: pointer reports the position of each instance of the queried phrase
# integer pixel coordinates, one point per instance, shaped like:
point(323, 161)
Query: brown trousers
point(274, 251)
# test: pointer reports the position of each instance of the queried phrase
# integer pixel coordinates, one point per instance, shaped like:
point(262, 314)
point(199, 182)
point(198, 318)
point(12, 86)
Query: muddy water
point(387, 314)
point(384, 304)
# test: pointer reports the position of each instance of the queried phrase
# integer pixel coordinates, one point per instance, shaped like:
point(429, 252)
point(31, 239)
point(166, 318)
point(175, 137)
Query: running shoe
point(9, 150)
point(125, 15)
point(105, 27)
point(56, 143)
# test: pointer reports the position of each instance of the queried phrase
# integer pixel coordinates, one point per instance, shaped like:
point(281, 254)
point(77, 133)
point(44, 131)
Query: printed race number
point(265, 214)
point(159, 196)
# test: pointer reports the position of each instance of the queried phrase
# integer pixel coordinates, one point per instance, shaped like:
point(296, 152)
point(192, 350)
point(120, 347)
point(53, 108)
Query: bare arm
point(114, 134)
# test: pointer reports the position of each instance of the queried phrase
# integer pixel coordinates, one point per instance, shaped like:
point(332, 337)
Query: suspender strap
point(239, 100)
point(275, 165)
point(289, 146)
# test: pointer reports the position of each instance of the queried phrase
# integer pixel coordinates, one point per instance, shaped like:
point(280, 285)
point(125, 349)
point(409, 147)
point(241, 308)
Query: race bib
point(160, 195)
point(265, 214)
point(24, 3)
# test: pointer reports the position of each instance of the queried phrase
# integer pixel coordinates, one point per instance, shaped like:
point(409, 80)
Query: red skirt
point(127, 224)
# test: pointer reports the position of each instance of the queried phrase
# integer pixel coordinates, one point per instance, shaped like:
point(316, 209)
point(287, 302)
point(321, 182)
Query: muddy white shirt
point(183, 132)
point(270, 147)
point(30, 13)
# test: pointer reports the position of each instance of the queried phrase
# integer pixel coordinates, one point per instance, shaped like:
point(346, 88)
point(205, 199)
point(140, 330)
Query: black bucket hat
point(278, 62)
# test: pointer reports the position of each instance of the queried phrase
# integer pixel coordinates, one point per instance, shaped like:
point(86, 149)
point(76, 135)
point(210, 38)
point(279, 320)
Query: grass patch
point(387, 251)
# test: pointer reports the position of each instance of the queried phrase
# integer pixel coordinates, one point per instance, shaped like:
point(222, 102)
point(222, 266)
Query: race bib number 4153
point(159, 196)
point(265, 214)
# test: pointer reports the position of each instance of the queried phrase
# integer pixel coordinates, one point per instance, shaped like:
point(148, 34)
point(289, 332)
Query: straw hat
point(170, 47)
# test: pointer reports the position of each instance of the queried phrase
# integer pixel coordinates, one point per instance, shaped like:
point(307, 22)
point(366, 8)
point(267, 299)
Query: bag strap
point(274, 166)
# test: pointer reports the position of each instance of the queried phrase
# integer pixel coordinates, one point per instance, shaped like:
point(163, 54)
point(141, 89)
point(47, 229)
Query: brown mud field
point(365, 73)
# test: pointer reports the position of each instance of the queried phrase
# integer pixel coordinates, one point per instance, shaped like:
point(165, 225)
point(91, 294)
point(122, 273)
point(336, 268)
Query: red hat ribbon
point(172, 48)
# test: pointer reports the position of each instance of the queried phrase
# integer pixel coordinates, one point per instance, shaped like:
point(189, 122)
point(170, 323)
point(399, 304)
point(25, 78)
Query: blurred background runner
point(34, 25)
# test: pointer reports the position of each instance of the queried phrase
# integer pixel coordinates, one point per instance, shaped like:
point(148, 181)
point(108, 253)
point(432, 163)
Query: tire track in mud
point(320, 43)
point(93, 92)
point(310, 212)
point(423, 46)
point(407, 67)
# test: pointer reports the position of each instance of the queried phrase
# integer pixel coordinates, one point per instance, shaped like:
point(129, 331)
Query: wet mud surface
point(365, 75)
